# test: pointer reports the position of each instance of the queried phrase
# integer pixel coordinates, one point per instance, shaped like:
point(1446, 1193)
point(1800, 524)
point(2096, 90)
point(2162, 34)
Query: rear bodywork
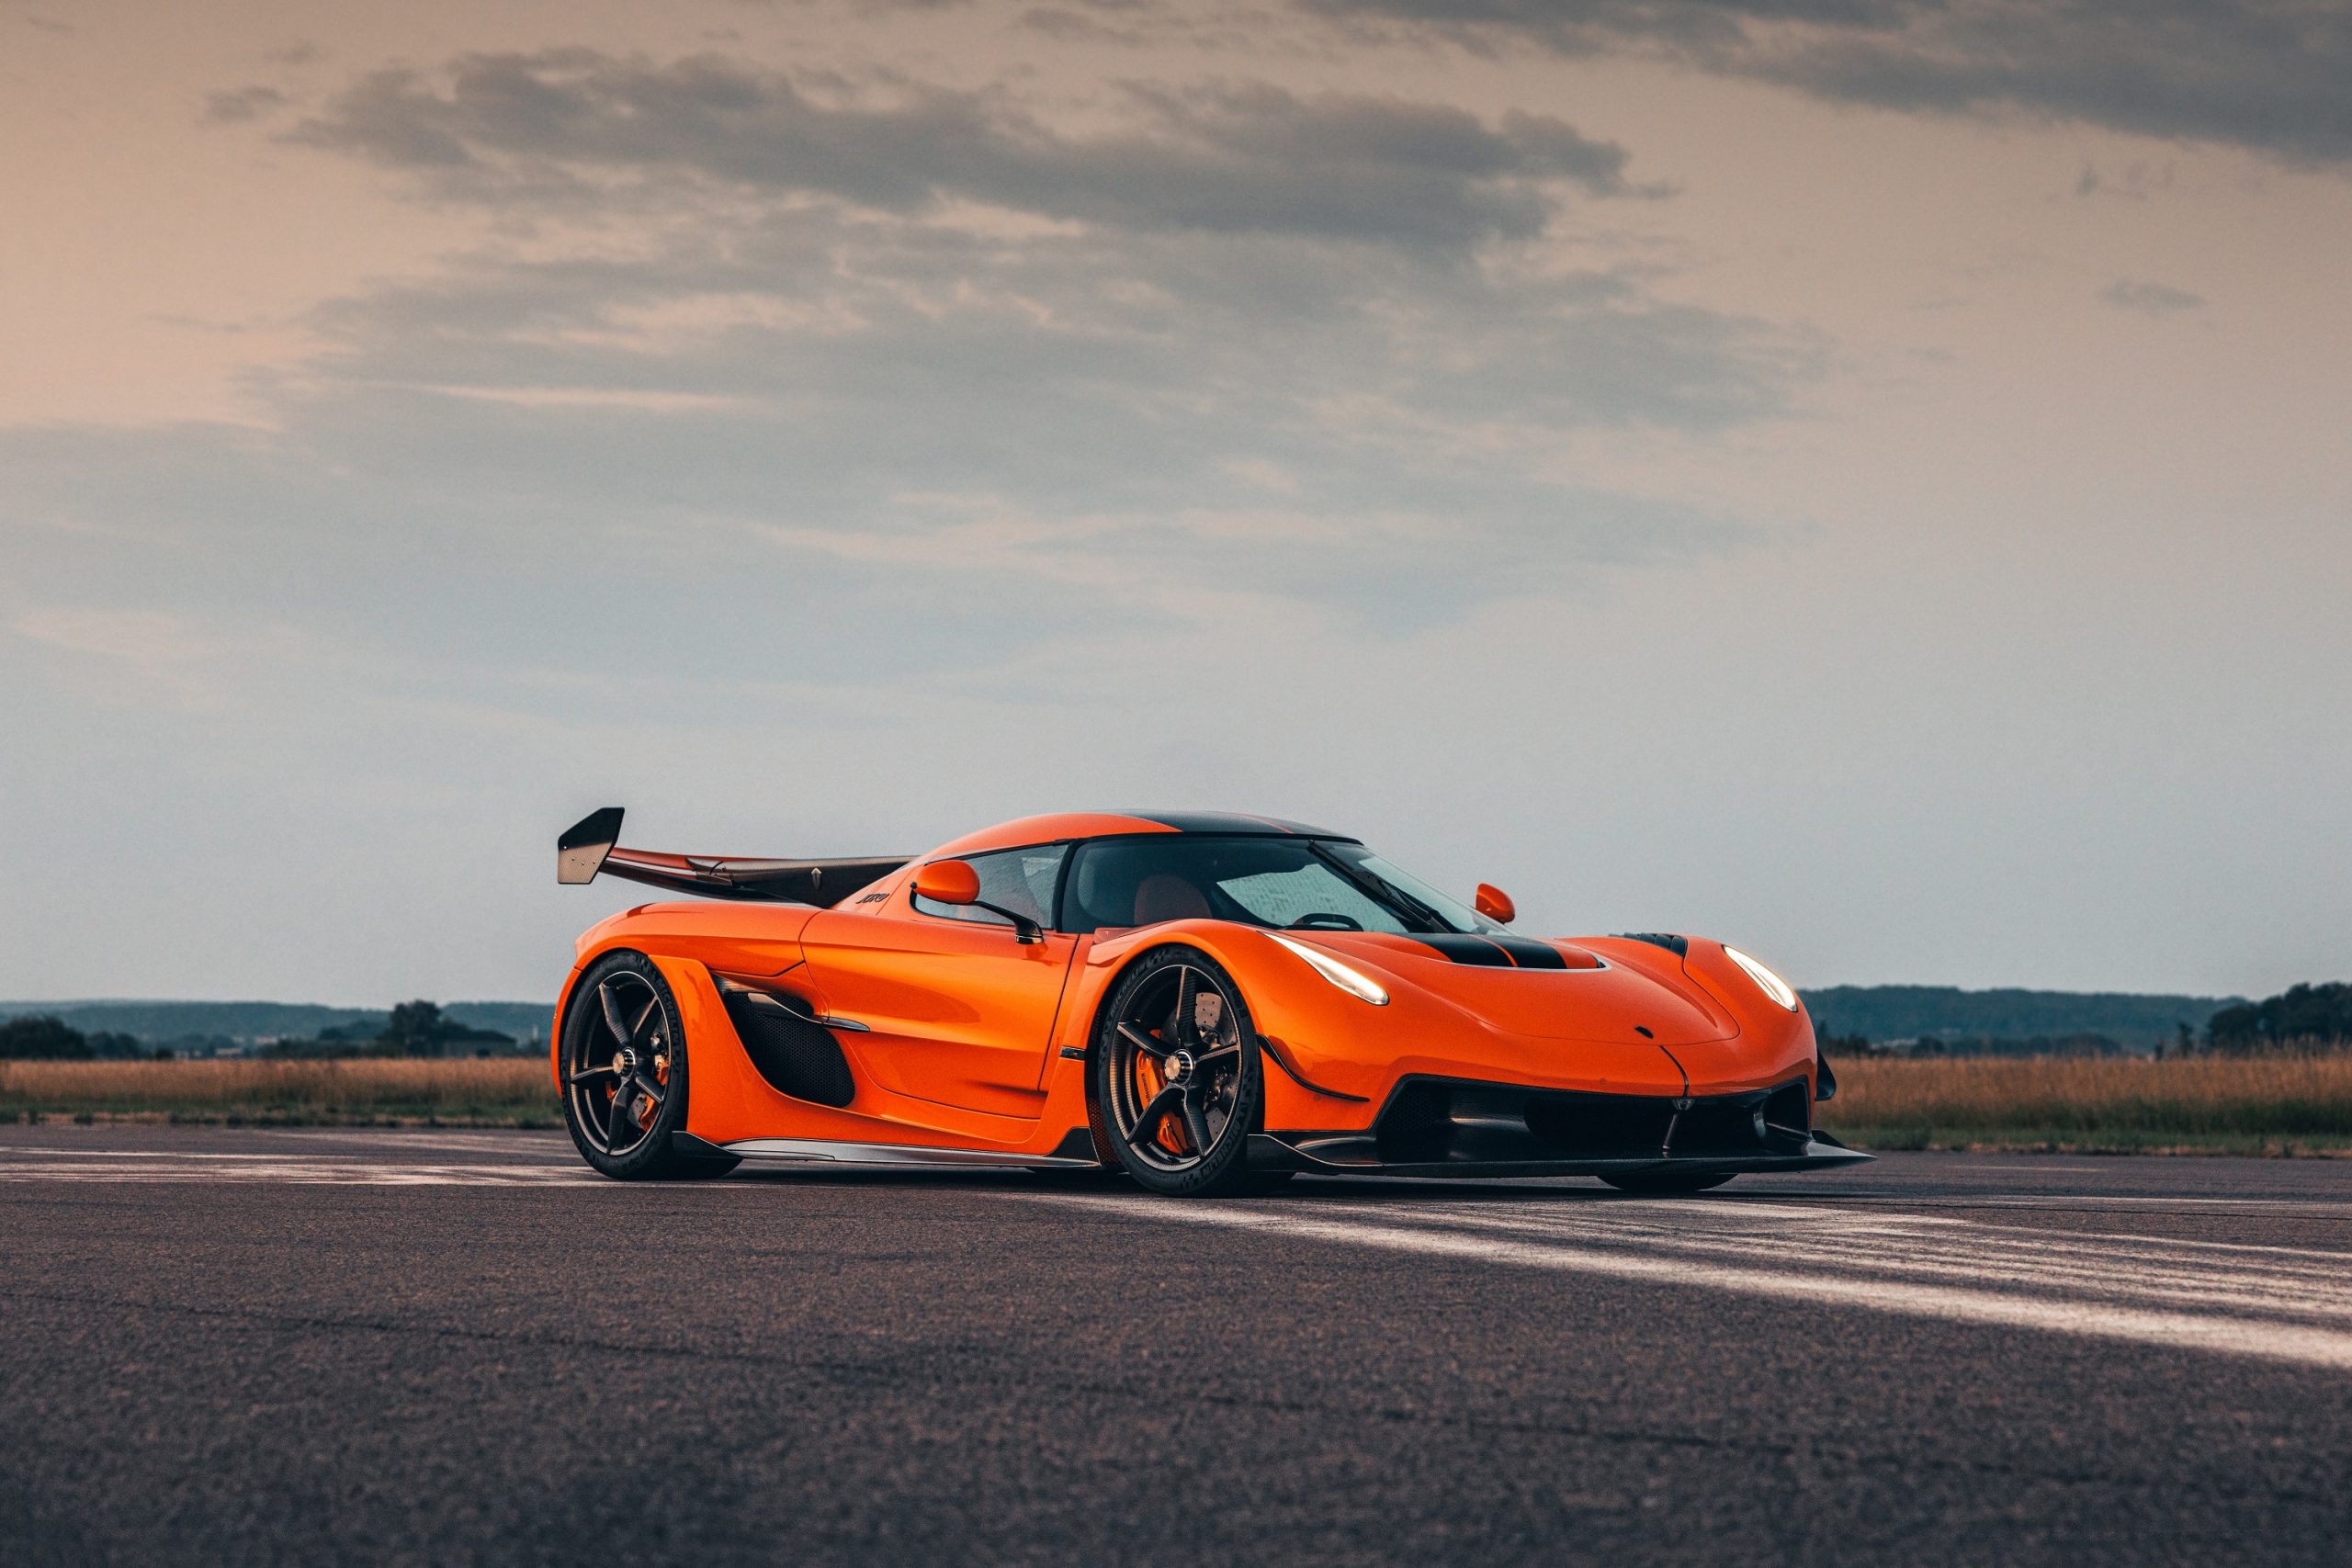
point(866, 1031)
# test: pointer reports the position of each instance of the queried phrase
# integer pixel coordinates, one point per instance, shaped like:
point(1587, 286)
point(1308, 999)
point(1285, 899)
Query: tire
point(622, 1022)
point(1152, 1105)
point(1667, 1183)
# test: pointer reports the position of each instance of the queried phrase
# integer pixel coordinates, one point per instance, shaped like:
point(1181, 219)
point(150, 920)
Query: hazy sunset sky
point(1870, 481)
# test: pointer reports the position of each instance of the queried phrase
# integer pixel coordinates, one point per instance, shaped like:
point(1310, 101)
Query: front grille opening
point(1435, 1122)
point(1600, 1126)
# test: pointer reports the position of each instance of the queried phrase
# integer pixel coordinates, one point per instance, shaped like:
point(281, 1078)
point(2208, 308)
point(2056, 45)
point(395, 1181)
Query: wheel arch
point(1289, 1099)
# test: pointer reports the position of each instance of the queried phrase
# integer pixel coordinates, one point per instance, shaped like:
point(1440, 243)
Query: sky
point(1865, 479)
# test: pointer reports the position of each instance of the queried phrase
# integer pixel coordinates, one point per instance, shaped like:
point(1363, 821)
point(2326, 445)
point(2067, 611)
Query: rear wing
point(591, 845)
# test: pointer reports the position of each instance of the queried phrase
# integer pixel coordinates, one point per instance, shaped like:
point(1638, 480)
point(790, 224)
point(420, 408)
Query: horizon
point(21, 1005)
point(1865, 488)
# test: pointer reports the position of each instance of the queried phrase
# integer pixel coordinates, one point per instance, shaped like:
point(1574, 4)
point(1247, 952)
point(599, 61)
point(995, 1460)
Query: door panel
point(956, 1011)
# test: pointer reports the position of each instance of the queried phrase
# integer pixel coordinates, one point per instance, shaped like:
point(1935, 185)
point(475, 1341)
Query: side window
point(1019, 880)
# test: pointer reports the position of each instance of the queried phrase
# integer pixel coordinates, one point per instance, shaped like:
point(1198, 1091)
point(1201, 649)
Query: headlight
point(1771, 985)
point(1354, 982)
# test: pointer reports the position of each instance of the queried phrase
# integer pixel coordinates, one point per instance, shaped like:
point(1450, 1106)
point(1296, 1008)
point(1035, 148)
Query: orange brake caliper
point(646, 1109)
point(1172, 1135)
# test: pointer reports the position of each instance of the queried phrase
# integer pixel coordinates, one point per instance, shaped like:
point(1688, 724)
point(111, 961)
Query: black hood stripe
point(1498, 951)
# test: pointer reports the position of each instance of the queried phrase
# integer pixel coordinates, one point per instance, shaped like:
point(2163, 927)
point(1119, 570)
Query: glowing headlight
point(1771, 985)
point(1353, 982)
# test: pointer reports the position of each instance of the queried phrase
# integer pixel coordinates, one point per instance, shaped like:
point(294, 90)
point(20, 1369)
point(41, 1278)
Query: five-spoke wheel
point(1177, 1075)
point(616, 1075)
point(624, 1070)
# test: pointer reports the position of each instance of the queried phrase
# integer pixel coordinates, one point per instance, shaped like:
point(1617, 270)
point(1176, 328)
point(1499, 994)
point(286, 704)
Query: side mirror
point(949, 882)
point(1495, 904)
point(955, 882)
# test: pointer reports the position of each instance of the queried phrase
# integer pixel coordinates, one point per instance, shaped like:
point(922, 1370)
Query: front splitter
point(1269, 1153)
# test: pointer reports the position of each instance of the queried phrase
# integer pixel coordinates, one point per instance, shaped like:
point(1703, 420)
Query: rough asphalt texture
point(204, 1366)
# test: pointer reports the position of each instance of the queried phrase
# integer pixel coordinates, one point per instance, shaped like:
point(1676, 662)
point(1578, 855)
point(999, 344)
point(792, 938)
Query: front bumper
point(1455, 1127)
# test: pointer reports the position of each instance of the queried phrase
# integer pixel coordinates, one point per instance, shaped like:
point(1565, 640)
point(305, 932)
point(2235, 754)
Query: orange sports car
point(1209, 1002)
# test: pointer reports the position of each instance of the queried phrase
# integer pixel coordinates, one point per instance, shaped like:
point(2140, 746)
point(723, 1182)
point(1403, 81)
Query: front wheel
point(625, 1072)
point(1177, 1077)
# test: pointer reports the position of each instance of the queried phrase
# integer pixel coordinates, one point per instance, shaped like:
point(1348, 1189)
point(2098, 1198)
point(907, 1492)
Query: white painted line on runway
point(2141, 1270)
point(14, 1149)
point(545, 1147)
point(1820, 1285)
point(328, 1173)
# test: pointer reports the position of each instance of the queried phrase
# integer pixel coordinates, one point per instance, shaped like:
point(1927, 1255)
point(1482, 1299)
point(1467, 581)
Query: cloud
point(893, 333)
point(2150, 299)
point(760, 397)
point(240, 105)
point(133, 654)
point(147, 638)
point(2268, 74)
point(1225, 158)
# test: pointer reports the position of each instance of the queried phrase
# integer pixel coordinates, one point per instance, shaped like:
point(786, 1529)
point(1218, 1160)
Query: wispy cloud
point(2150, 299)
point(236, 106)
point(1231, 158)
point(2262, 73)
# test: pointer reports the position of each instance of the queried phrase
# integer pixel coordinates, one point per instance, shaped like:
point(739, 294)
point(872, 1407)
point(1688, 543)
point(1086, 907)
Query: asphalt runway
point(445, 1347)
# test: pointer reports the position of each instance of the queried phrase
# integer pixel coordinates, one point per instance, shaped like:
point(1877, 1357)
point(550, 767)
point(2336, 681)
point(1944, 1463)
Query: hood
point(1554, 992)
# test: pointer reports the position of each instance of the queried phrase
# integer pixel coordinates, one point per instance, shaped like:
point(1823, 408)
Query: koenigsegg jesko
point(1209, 1002)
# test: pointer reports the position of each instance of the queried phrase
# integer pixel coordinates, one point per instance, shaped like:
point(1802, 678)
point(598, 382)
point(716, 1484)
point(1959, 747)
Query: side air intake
point(791, 1050)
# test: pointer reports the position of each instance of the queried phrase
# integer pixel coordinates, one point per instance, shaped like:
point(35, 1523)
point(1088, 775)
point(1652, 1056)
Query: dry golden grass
point(2282, 1104)
point(504, 1091)
point(2289, 1104)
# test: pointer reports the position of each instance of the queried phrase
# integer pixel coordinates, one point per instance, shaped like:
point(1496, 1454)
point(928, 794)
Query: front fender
point(1774, 1043)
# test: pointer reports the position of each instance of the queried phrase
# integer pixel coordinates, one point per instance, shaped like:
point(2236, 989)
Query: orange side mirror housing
point(1495, 904)
point(949, 881)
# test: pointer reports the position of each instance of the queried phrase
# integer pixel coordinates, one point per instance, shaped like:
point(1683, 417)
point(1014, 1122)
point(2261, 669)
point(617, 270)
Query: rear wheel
point(1667, 1183)
point(1177, 1077)
point(625, 1072)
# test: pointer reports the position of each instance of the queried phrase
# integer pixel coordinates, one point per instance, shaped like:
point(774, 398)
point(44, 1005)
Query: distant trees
point(1832, 1043)
point(2299, 1015)
point(416, 1028)
point(48, 1038)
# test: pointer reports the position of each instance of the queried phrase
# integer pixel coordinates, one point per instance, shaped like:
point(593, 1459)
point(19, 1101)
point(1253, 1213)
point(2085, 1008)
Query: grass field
point(2264, 1105)
point(498, 1093)
point(2274, 1105)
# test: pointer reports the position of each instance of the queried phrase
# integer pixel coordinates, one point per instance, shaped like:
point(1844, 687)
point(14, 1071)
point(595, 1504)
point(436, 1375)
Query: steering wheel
point(1323, 921)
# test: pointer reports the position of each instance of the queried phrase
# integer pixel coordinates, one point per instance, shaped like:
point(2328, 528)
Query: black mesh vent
point(795, 1055)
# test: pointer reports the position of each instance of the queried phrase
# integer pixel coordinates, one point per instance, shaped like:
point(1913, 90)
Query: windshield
point(1403, 884)
point(1283, 882)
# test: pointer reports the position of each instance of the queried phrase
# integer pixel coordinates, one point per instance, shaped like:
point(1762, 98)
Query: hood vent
point(1678, 945)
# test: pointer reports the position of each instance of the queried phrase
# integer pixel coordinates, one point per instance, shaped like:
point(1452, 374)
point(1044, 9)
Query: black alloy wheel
point(624, 1072)
point(1178, 1079)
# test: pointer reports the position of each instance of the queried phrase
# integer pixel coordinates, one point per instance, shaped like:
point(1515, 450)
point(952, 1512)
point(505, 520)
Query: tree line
point(2301, 1018)
point(414, 1029)
point(2315, 1015)
point(50, 1039)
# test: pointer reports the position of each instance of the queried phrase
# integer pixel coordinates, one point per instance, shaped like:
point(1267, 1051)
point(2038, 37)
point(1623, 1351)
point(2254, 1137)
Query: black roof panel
point(1231, 822)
